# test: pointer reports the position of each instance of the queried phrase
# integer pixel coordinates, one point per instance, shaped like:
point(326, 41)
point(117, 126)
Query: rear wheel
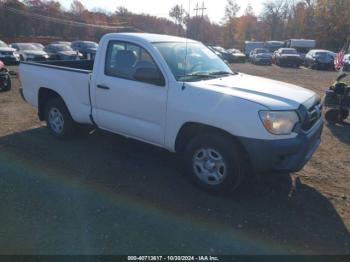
point(214, 163)
point(58, 119)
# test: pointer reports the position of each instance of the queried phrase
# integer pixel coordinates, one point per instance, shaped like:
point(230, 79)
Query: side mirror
point(149, 75)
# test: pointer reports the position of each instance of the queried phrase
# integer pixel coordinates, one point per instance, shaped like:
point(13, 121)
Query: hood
point(290, 56)
point(267, 55)
point(7, 49)
point(68, 53)
point(272, 94)
point(238, 54)
point(35, 52)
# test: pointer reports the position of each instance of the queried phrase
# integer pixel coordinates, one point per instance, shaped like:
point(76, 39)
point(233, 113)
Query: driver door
point(127, 106)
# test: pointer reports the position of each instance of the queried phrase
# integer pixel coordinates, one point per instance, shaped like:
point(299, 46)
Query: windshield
point(289, 52)
point(26, 47)
point(201, 62)
point(261, 51)
point(323, 54)
point(62, 48)
point(220, 49)
point(234, 51)
point(90, 45)
point(3, 44)
point(302, 50)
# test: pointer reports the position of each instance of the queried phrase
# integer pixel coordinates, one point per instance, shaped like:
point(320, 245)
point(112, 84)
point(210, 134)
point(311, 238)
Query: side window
point(130, 61)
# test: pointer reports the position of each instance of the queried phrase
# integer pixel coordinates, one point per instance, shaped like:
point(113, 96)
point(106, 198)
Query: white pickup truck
point(177, 94)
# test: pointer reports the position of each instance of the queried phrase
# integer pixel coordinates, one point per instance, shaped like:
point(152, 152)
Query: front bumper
point(346, 67)
point(37, 59)
point(263, 61)
point(10, 60)
point(290, 61)
point(283, 156)
point(324, 65)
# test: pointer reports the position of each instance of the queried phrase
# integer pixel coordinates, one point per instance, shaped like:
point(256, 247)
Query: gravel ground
point(103, 194)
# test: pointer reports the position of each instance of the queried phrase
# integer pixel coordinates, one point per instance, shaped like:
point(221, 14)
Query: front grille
point(313, 114)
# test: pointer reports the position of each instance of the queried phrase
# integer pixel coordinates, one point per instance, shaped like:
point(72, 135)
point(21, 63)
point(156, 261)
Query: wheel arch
point(44, 95)
point(191, 129)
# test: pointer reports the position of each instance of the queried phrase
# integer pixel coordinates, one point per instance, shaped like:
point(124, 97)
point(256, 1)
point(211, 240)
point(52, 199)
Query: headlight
point(279, 122)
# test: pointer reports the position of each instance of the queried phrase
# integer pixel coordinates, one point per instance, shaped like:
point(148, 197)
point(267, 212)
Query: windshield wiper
point(198, 75)
point(222, 73)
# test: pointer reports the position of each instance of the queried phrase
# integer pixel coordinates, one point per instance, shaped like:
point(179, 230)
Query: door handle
point(103, 87)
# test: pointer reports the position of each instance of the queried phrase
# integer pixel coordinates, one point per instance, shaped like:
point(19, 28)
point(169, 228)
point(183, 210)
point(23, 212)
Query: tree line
point(327, 21)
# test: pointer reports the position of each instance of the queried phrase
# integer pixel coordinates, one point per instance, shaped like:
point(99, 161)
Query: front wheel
point(58, 119)
point(214, 163)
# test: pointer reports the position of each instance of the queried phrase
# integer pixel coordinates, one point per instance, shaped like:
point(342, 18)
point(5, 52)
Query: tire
point(214, 164)
point(344, 114)
point(333, 116)
point(7, 85)
point(58, 119)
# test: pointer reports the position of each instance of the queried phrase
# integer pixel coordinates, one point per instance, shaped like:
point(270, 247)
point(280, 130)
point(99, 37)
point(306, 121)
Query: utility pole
point(203, 9)
point(199, 9)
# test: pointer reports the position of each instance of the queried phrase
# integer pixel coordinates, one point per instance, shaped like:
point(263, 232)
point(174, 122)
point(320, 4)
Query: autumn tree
point(246, 26)
point(332, 22)
point(231, 10)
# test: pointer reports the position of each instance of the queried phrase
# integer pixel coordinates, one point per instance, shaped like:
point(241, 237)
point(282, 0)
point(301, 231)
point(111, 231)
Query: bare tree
point(274, 15)
point(178, 13)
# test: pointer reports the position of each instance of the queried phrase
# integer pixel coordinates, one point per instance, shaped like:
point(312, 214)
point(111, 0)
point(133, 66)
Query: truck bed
point(69, 79)
point(82, 66)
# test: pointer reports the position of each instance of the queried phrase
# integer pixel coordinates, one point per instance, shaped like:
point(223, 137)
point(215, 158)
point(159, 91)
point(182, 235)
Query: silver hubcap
point(56, 120)
point(209, 166)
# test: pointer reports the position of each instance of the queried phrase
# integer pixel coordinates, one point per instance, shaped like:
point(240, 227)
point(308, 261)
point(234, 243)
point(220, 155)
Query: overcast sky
point(215, 8)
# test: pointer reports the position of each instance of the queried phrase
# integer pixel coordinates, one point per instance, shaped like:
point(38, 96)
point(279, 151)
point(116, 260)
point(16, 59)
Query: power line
point(59, 20)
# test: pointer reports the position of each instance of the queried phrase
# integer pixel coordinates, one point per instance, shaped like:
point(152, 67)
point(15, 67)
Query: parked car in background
point(347, 63)
point(251, 46)
point(225, 55)
point(38, 45)
point(320, 59)
point(8, 55)
point(87, 48)
point(62, 52)
point(261, 56)
point(215, 52)
point(303, 46)
point(287, 57)
point(237, 56)
point(5, 78)
point(219, 121)
point(29, 52)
